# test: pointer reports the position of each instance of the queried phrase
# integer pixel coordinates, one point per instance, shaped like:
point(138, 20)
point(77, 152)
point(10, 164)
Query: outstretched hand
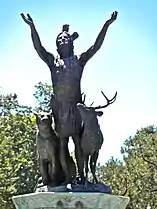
point(113, 18)
point(27, 20)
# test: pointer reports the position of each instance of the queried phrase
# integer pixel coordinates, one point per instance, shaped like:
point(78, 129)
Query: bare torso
point(66, 75)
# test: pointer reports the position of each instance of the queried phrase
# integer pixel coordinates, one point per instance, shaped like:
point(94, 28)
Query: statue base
point(77, 187)
point(51, 200)
point(94, 188)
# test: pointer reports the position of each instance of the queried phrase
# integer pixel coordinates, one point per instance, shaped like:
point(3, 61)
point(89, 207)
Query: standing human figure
point(66, 73)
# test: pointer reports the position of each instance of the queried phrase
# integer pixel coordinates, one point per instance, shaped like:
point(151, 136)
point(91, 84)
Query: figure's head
point(64, 42)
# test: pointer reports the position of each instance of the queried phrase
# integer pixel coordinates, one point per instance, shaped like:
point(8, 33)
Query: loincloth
point(67, 118)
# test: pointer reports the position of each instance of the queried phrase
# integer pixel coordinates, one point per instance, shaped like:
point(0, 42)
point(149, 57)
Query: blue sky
point(126, 62)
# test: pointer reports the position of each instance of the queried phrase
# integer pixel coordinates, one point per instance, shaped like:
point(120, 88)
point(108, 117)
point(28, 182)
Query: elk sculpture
point(92, 137)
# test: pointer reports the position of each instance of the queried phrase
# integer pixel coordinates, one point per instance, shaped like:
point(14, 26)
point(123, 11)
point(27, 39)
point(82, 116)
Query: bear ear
point(51, 113)
point(35, 114)
point(99, 113)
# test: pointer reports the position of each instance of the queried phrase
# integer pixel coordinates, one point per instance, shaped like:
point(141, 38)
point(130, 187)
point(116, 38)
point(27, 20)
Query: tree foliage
point(18, 161)
point(42, 95)
point(18, 157)
point(136, 176)
point(140, 156)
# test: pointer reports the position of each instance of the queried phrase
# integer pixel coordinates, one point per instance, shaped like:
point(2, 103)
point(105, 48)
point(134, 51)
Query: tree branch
point(126, 187)
point(146, 160)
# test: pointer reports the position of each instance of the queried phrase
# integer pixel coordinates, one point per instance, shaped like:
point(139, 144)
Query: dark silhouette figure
point(92, 137)
point(66, 72)
point(48, 148)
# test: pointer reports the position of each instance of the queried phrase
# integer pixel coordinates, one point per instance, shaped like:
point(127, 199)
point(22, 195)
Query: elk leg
point(86, 171)
point(63, 158)
point(93, 162)
point(86, 166)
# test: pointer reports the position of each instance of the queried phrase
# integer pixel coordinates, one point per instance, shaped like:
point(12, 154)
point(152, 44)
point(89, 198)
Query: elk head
point(90, 113)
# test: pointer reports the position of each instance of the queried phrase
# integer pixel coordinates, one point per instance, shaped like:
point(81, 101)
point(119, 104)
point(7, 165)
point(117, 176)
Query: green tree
point(18, 160)
point(114, 173)
point(136, 176)
point(139, 153)
point(43, 92)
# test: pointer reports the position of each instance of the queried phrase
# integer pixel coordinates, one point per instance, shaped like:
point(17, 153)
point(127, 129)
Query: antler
point(91, 104)
point(83, 97)
point(109, 101)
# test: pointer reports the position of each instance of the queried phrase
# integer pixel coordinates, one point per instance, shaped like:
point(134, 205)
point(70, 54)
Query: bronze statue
point(92, 137)
point(66, 72)
point(48, 148)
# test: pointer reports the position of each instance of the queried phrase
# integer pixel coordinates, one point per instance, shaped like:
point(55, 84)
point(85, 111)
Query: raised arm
point(47, 57)
point(99, 40)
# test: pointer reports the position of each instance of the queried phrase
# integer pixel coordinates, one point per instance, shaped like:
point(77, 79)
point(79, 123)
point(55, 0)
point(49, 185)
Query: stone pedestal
point(50, 200)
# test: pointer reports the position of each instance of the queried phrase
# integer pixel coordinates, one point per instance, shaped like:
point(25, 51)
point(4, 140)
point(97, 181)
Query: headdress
point(64, 36)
